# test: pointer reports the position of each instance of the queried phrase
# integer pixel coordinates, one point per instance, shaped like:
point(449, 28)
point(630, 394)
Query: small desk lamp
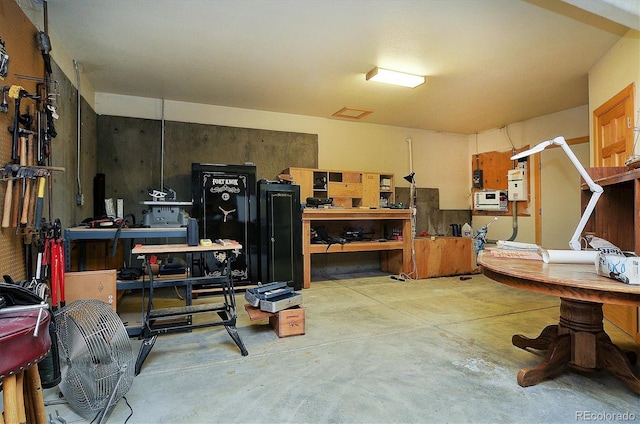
point(412, 206)
point(596, 190)
point(409, 178)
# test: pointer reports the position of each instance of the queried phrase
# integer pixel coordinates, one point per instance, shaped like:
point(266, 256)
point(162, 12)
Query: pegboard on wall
point(18, 33)
point(495, 166)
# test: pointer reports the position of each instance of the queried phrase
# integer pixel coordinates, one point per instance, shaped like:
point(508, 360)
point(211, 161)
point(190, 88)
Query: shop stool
point(24, 341)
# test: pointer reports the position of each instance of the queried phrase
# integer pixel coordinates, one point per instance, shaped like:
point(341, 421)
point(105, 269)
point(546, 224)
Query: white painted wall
point(572, 123)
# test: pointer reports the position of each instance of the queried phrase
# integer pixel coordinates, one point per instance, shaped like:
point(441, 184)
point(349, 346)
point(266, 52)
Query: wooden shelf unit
point(349, 189)
point(396, 254)
point(616, 218)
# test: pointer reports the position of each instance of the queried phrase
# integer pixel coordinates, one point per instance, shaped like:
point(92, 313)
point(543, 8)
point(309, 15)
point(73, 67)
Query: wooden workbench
point(380, 221)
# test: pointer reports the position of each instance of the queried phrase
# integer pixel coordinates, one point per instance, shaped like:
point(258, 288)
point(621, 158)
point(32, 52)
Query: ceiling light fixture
point(395, 77)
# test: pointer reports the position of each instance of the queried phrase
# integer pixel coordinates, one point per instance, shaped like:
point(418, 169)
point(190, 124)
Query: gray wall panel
point(129, 152)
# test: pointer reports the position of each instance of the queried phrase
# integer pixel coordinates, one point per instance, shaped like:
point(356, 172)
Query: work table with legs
point(225, 309)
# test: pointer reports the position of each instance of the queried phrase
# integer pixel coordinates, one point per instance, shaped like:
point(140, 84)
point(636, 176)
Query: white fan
point(96, 357)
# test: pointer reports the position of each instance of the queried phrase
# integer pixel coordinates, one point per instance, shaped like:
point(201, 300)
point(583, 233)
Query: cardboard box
point(625, 269)
point(99, 285)
point(289, 322)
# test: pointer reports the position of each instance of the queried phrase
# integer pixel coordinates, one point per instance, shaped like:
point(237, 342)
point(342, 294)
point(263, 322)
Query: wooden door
point(613, 144)
point(613, 129)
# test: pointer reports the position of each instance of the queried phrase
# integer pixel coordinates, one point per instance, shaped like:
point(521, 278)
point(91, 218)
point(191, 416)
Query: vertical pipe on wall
point(79, 195)
point(514, 204)
point(408, 140)
point(161, 188)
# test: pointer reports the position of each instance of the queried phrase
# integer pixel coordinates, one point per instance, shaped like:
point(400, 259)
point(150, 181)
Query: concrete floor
point(375, 351)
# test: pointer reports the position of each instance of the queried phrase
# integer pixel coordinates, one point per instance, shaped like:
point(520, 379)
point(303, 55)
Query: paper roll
point(569, 256)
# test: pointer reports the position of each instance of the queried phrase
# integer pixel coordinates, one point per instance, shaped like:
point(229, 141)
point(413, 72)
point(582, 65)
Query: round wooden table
point(578, 340)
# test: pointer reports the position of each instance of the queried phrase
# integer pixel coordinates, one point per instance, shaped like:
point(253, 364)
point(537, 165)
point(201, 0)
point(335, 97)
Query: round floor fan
point(96, 357)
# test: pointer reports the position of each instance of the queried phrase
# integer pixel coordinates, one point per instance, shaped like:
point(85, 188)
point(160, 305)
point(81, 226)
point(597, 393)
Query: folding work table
point(225, 311)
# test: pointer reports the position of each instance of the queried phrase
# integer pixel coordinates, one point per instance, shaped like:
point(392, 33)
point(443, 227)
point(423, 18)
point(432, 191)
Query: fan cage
point(96, 356)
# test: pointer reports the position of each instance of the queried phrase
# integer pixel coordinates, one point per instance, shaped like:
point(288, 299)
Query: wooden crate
point(289, 322)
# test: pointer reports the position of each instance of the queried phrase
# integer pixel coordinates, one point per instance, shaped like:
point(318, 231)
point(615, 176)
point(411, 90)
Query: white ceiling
point(488, 62)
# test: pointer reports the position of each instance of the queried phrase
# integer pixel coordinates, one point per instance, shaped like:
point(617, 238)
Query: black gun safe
point(225, 205)
point(280, 233)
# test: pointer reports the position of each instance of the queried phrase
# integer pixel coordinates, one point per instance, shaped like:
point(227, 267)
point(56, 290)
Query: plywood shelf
point(356, 246)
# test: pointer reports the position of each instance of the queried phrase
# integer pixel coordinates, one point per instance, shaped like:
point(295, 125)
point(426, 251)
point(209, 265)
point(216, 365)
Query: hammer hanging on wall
point(6, 212)
point(26, 199)
point(11, 214)
point(18, 197)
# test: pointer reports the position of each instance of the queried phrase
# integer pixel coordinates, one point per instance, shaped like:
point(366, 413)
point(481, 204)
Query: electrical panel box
point(477, 178)
point(517, 185)
point(490, 200)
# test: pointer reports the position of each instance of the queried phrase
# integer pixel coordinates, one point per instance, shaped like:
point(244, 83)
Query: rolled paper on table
point(569, 256)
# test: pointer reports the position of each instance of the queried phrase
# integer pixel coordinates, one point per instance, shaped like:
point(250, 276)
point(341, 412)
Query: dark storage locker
point(280, 233)
point(225, 205)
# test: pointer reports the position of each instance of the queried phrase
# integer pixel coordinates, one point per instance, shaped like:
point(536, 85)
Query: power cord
point(413, 275)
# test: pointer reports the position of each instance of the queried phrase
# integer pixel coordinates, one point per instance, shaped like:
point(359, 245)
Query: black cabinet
point(225, 205)
point(280, 233)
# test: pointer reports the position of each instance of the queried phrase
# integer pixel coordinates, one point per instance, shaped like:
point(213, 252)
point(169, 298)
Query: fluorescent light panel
point(395, 77)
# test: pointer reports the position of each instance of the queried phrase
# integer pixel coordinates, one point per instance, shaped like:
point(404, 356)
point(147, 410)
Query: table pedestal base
point(580, 342)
